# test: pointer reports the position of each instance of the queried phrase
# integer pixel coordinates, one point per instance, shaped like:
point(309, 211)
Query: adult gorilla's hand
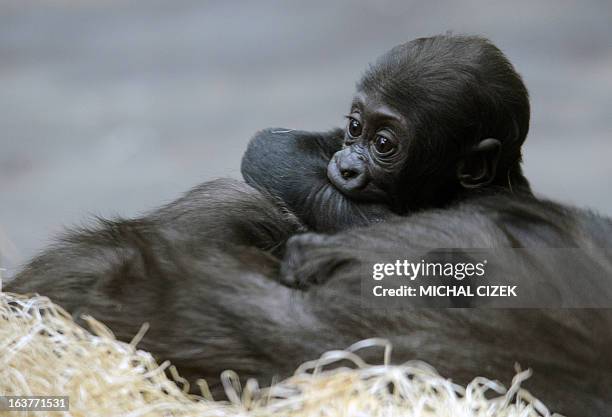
point(300, 268)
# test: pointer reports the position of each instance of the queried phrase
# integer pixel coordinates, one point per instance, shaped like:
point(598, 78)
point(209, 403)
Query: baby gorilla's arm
point(291, 166)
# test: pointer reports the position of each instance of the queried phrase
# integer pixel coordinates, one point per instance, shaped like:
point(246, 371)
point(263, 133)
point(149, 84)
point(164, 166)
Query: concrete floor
point(111, 107)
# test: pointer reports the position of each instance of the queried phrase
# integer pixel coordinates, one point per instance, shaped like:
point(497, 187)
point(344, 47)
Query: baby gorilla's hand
point(305, 262)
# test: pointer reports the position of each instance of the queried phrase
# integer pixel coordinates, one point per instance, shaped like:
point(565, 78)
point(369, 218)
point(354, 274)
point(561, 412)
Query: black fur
point(451, 93)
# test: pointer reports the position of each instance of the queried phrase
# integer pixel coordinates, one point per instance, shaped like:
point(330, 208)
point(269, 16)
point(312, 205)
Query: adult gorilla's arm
point(291, 165)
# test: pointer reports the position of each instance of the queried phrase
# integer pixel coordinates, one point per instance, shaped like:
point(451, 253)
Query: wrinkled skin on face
point(375, 149)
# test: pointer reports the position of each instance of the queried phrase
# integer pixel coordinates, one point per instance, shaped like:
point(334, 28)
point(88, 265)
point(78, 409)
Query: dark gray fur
point(212, 296)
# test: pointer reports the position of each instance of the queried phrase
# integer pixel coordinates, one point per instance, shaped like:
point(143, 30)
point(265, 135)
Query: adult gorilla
point(194, 272)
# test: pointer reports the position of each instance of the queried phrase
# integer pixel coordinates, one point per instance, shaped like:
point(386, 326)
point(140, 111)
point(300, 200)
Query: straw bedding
point(44, 352)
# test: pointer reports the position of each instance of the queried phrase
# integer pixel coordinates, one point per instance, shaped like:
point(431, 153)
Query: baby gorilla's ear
point(478, 168)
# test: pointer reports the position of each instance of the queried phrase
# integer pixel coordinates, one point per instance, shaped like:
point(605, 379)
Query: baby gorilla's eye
point(383, 145)
point(354, 128)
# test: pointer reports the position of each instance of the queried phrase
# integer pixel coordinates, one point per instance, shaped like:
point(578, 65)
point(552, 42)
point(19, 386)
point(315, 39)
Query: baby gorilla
point(434, 120)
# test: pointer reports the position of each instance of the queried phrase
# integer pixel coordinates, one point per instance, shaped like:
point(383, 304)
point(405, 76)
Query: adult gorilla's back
point(203, 272)
point(164, 267)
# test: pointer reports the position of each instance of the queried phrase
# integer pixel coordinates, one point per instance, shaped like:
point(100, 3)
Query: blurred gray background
point(114, 108)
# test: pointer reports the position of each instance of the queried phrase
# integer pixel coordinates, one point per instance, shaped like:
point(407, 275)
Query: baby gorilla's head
point(431, 118)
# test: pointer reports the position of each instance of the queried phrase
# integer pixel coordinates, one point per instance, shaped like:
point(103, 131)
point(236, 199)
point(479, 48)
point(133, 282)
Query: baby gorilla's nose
point(351, 169)
point(347, 171)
